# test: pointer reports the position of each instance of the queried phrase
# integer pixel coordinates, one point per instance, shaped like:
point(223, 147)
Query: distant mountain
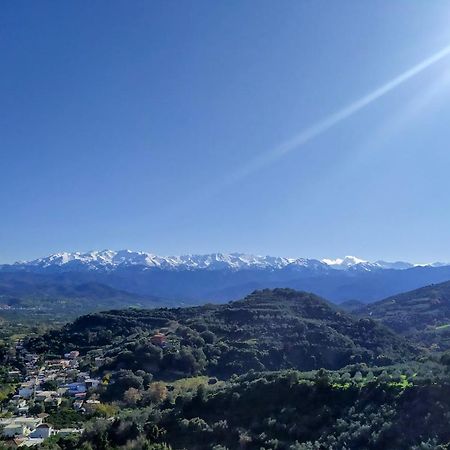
point(422, 314)
point(268, 330)
point(221, 277)
point(351, 305)
point(110, 259)
point(27, 293)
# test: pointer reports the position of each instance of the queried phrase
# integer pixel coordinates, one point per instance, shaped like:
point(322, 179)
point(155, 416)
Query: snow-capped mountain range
point(110, 260)
point(219, 276)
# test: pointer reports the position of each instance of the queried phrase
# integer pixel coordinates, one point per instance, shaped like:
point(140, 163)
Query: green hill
point(282, 410)
point(268, 330)
point(38, 296)
point(422, 314)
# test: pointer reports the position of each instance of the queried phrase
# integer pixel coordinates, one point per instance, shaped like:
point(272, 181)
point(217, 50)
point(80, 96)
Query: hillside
point(268, 330)
point(423, 314)
point(287, 411)
point(42, 295)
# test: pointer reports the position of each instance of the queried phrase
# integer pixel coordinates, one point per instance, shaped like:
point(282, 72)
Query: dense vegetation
point(357, 408)
point(422, 314)
point(268, 330)
point(278, 370)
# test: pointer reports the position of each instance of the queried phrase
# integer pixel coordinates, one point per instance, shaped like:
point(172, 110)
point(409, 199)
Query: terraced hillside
point(268, 330)
point(423, 314)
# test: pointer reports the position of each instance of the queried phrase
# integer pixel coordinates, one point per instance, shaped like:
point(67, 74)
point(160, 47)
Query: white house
point(67, 431)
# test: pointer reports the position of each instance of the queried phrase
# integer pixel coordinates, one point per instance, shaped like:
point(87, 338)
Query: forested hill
point(268, 330)
point(423, 313)
point(39, 295)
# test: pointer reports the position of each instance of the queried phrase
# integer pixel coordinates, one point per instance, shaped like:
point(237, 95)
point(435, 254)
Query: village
point(43, 387)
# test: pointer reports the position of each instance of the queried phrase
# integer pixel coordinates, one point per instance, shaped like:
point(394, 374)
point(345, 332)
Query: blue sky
point(143, 125)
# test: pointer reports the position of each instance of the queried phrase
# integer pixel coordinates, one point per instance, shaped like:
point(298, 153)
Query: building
point(42, 431)
point(22, 410)
point(42, 396)
point(77, 404)
point(158, 339)
point(74, 354)
point(99, 361)
point(14, 375)
point(15, 429)
point(19, 426)
point(67, 431)
point(91, 405)
point(26, 390)
point(92, 383)
point(76, 388)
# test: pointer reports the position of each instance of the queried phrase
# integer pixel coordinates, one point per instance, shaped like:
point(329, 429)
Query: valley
point(194, 377)
point(117, 279)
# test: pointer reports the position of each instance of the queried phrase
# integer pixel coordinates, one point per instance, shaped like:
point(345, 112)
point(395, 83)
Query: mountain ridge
point(110, 259)
point(222, 277)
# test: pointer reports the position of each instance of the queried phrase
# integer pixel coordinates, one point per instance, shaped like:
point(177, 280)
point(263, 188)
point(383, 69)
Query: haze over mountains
point(221, 277)
point(110, 259)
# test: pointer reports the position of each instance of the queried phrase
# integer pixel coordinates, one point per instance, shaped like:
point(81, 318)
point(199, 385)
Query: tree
point(208, 336)
point(123, 380)
point(445, 360)
point(157, 392)
point(49, 385)
point(36, 408)
point(132, 396)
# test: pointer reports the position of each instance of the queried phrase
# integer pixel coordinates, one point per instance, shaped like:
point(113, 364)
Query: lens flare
point(305, 136)
point(320, 127)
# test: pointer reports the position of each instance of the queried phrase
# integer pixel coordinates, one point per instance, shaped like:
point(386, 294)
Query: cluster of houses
point(30, 431)
point(45, 383)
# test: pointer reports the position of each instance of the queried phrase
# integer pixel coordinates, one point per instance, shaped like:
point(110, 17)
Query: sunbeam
point(305, 136)
point(320, 127)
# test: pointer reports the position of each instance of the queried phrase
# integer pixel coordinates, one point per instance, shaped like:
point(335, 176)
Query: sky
point(296, 128)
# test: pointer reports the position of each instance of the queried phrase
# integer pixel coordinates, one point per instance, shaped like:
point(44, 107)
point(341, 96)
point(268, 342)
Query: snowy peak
point(344, 263)
point(96, 259)
point(354, 263)
point(123, 258)
point(110, 260)
point(397, 265)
